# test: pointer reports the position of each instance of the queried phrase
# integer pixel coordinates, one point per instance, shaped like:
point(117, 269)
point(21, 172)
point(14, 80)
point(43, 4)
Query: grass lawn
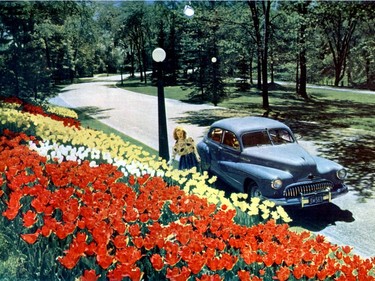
point(333, 108)
point(170, 92)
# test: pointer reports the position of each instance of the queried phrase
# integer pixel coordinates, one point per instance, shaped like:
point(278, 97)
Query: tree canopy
point(248, 43)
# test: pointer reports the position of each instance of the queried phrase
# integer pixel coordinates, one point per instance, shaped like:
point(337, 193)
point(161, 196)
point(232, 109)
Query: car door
point(229, 153)
point(214, 141)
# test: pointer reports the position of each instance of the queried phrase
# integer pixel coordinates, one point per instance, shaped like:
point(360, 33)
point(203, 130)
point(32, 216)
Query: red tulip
point(157, 262)
point(178, 274)
point(283, 273)
point(105, 260)
point(243, 275)
point(29, 219)
point(196, 263)
point(68, 261)
point(30, 238)
point(121, 241)
point(89, 275)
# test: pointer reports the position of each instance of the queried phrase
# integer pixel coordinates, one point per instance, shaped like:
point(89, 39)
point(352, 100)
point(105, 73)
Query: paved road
point(346, 221)
point(132, 113)
point(340, 89)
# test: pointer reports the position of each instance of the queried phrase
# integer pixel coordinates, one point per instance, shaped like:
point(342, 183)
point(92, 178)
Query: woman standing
point(186, 149)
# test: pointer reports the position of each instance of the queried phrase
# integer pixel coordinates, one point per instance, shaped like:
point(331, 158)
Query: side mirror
point(298, 136)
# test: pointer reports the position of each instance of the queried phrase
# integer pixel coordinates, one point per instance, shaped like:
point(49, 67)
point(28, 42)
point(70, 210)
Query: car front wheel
point(205, 162)
point(253, 190)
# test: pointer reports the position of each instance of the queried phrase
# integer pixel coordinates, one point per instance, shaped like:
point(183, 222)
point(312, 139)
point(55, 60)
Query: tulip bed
point(80, 204)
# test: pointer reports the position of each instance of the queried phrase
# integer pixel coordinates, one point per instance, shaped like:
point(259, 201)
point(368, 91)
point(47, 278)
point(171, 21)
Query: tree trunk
point(266, 11)
point(144, 59)
point(272, 69)
point(339, 44)
point(367, 70)
point(338, 69)
point(303, 76)
point(132, 61)
point(139, 58)
point(251, 68)
point(297, 75)
point(48, 56)
point(302, 9)
point(255, 17)
point(173, 59)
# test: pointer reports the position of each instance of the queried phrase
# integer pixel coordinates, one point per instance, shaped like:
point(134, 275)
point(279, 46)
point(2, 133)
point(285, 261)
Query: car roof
point(239, 125)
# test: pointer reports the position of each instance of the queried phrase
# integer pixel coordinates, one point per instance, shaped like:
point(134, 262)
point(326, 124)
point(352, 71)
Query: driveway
point(346, 221)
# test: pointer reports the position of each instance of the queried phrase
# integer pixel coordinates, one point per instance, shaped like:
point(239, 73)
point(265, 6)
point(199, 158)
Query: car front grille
point(298, 189)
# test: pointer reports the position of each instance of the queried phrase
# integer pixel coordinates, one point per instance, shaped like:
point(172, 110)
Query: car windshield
point(266, 137)
point(280, 136)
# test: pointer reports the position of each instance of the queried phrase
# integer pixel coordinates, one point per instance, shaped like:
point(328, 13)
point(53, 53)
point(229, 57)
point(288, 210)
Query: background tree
point(22, 74)
point(43, 43)
point(361, 59)
point(199, 51)
point(255, 15)
point(237, 44)
point(261, 11)
point(338, 22)
point(208, 74)
point(46, 40)
point(296, 16)
point(135, 30)
point(303, 11)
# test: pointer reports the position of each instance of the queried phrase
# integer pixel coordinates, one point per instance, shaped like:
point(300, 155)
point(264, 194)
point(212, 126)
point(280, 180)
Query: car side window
point(231, 140)
point(216, 135)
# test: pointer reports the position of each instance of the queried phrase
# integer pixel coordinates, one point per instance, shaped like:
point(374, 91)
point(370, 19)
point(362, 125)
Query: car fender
point(328, 168)
point(325, 166)
point(260, 174)
point(204, 153)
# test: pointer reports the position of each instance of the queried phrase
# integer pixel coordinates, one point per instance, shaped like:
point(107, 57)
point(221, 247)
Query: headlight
point(277, 183)
point(341, 174)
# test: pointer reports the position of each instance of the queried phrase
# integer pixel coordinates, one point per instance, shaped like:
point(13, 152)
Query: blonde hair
point(179, 129)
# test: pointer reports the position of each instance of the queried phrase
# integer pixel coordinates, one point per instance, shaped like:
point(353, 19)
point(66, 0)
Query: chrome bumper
point(301, 200)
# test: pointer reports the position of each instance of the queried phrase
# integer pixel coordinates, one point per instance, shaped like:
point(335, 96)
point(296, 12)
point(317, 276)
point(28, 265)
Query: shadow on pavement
point(205, 117)
point(93, 111)
point(317, 218)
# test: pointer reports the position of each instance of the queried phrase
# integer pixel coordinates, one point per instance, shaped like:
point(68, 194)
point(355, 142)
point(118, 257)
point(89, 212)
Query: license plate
point(311, 199)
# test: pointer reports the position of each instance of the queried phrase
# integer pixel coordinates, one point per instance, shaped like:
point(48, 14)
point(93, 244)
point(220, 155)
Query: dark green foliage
point(41, 43)
point(44, 43)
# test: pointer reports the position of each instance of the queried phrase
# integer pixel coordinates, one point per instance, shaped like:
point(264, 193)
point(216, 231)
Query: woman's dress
point(185, 148)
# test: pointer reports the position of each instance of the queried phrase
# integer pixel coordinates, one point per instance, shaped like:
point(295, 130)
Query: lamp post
point(158, 55)
point(121, 71)
point(215, 94)
point(188, 11)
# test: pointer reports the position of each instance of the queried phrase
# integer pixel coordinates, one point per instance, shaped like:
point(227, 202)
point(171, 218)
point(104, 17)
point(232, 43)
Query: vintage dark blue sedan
point(261, 157)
